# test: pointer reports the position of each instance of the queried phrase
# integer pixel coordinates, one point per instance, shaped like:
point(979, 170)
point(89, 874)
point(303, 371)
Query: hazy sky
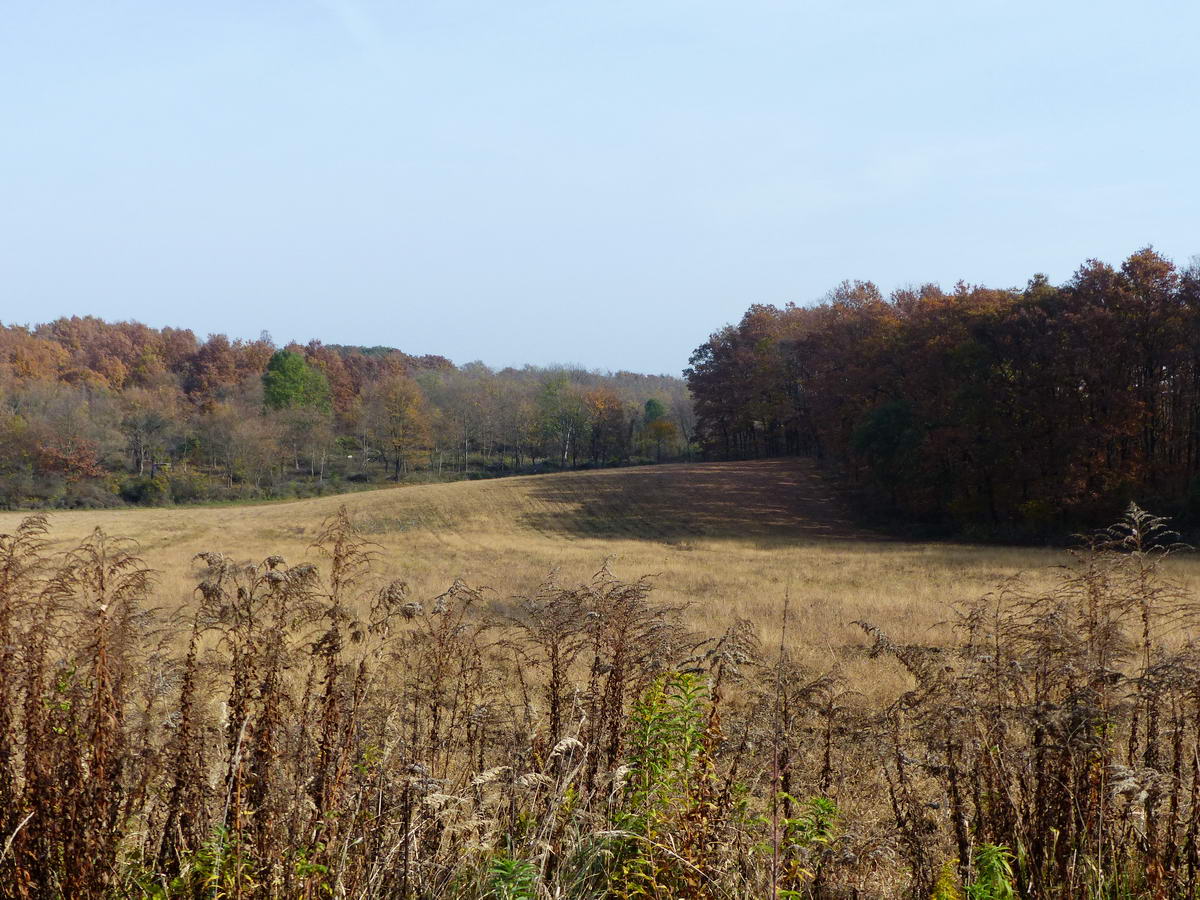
point(595, 182)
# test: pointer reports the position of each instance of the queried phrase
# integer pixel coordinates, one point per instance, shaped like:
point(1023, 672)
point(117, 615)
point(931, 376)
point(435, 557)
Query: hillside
point(728, 539)
point(782, 498)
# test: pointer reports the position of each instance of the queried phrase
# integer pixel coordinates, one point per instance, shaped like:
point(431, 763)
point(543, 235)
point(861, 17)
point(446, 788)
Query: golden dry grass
point(729, 539)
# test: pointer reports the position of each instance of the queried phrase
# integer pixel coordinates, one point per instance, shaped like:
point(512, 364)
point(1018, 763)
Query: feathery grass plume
point(85, 639)
point(22, 567)
point(632, 641)
point(552, 629)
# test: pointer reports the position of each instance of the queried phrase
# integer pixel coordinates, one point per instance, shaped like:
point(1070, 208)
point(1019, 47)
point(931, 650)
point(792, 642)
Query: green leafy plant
point(511, 879)
point(217, 870)
point(668, 793)
point(803, 839)
point(993, 874)
point(666, 732)
point(815, 825)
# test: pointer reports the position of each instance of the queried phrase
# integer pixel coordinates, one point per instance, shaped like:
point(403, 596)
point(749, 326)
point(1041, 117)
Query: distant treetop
point(290, 382)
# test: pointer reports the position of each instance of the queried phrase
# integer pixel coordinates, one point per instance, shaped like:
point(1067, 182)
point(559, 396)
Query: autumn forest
point(1019, 413)
point(1011, 413)
point(96, 414)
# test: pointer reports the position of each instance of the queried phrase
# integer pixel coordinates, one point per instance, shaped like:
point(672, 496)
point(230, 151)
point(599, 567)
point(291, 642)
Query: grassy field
point(587, 745)
point(729, 539)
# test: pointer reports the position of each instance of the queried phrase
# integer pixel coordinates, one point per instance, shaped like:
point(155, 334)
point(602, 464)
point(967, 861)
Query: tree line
point(96, 413)
point(1006, 411)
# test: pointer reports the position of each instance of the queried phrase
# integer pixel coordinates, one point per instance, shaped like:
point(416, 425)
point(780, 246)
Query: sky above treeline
point(594, 183)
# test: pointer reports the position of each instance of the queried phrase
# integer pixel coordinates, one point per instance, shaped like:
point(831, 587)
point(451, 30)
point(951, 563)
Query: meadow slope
point(728, 539)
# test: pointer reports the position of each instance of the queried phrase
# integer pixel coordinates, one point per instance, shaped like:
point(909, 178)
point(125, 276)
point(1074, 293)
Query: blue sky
point(599, 183)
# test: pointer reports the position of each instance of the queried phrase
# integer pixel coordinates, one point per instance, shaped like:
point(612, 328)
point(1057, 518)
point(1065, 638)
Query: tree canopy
point(1009, 411)
point(291, 382)
point(96, 413)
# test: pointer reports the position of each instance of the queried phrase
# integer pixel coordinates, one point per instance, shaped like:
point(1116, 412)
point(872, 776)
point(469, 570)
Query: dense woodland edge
point(1015, 413)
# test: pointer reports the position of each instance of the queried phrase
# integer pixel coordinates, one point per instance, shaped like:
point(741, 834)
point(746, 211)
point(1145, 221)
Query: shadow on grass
point(778, 498)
